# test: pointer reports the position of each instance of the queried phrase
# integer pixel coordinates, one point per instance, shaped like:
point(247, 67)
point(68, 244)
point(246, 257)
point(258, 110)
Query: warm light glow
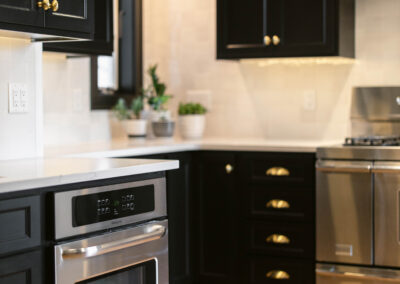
point(298, 61)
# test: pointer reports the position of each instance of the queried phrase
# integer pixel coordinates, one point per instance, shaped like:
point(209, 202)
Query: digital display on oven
point(110, 205)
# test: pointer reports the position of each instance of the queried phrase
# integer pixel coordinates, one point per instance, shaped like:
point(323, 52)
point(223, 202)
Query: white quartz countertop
point(16, 175)
point(135, 147)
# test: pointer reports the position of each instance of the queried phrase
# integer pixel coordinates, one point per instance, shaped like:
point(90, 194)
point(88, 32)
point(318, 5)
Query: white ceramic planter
point(135, 127)
point(192, 126)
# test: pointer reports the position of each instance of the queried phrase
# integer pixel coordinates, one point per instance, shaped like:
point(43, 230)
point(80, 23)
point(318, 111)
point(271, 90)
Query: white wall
point(67, 115)
point(20, 134)
point(250, 98)
point(261, 99)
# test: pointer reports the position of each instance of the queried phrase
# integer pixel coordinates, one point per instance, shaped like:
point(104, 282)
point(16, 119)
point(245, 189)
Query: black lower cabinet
point(22, 268)
point(179, 196)
point(216, 209)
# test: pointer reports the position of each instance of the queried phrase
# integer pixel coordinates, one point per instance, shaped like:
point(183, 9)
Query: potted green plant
point(156, 95)
point(191, 120)
point(131, 117)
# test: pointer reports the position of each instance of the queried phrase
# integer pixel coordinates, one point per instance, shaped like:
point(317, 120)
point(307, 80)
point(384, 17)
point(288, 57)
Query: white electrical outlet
point(309, 100)
point(18, 98)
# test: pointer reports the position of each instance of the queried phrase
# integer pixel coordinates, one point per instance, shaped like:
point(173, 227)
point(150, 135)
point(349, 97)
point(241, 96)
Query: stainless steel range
point(358, 195)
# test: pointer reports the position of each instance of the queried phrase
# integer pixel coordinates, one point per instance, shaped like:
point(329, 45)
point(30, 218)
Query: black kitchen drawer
point(280, 239)
point(273, 203)
point(285, 169)
point(22, 269)
point(269, 270)
point(20, 223)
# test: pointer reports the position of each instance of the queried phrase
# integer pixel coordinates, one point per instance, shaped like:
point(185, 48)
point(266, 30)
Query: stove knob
point(107, 201)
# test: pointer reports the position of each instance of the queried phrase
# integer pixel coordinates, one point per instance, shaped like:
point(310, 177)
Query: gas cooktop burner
point(373, 141)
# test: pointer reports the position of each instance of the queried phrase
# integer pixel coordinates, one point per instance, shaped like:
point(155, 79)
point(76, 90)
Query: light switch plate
point(310, 100)
point(18, 98)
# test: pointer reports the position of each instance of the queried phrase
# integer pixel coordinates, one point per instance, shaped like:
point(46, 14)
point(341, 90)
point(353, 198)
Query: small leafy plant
point(122, 111)
point(157, 97)
point(191, 108)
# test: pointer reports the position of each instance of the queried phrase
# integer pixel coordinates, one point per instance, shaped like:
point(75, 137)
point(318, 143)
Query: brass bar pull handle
point(277, 239)
point(229, 169)
point(277, 172)
point(277, 204)
point(277, 275)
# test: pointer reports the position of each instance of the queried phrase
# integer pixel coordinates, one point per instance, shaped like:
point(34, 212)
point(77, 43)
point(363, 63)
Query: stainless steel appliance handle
point(155, 232)
point(366, 274)
point(344, 166)
point(386, 167)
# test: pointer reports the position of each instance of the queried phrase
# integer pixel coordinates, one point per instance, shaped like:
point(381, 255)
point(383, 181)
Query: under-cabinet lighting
point(300, 61)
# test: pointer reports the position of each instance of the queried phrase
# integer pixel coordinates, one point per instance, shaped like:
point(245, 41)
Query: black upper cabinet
point(285, 28)
point(24, 12)
point(72, 15)
point(103, 36)
point(62, 18)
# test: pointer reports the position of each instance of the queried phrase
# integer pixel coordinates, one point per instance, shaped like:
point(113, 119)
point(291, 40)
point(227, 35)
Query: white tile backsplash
point(20, 134)
point(250, 98)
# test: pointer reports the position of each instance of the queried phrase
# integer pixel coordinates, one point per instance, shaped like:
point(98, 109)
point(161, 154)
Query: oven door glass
point(144, 273)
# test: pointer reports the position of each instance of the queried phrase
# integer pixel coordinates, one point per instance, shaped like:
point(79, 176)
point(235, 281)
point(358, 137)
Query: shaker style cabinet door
point(306, 28)
point(216, 210)
point(103, 42)
point(24, 12)
point(71, 15)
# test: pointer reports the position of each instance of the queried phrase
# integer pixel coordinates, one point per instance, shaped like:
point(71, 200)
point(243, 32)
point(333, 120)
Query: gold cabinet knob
point(229, 169)
point(277, 171)
point(267, 40)
point(278, 275)
point(54, 5)
point(277, 204)
point(45, 4)
point(276, 40)
point(277, 239)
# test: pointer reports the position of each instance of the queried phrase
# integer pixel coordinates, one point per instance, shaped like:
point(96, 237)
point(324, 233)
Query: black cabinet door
point(306, 28)
point(22, 269)
point(21, 218)
point(216, 217)
point(180, 220)
point(73, 16)
point(103, 35)
point(24, 12)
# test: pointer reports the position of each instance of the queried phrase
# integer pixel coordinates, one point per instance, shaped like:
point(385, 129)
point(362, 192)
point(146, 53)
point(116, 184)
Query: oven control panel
point(110, 205)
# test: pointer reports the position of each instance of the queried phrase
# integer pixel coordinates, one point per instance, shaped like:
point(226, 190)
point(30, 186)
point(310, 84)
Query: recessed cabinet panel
point(245, 23)
point(21, 218)
point(12, 11)
point(72, 15)
point(22, 269)
point(308, 28)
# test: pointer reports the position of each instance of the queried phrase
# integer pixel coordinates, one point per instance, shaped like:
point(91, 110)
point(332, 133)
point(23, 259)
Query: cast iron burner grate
point(373, 141)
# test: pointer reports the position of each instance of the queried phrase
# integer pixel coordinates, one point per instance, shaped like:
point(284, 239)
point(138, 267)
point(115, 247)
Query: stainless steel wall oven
point(112, 234)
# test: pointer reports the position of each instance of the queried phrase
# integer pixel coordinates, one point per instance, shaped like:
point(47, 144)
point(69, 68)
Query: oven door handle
point(343, 166)
point(155, 232)
point(373, 274)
